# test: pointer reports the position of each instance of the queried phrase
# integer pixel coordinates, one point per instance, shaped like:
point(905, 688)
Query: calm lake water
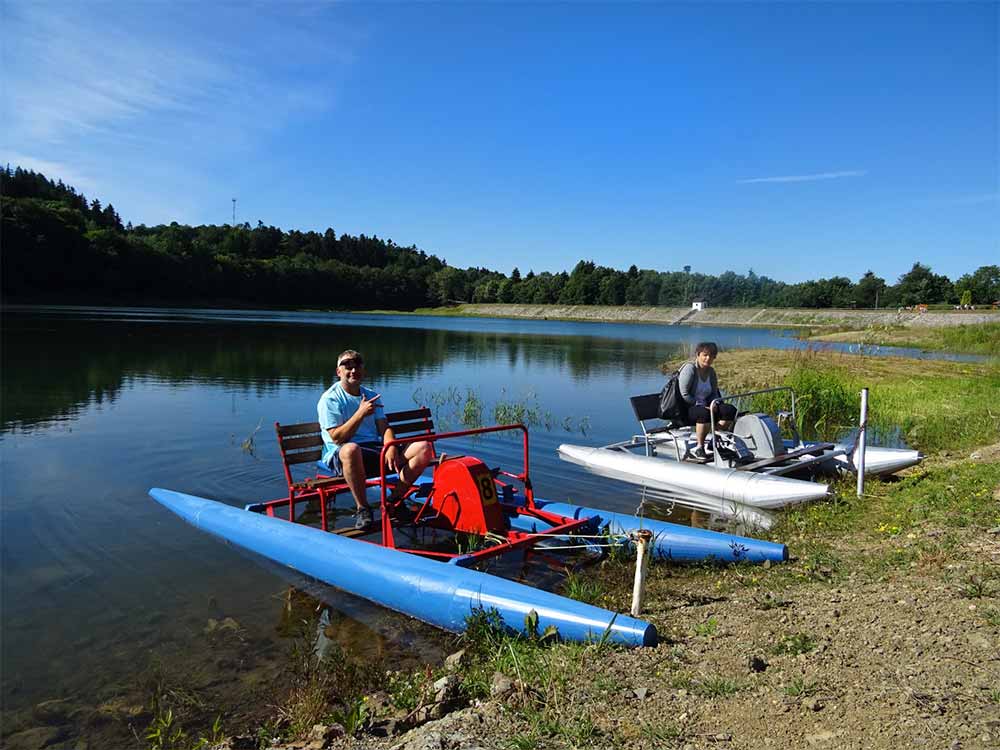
point(99, 405)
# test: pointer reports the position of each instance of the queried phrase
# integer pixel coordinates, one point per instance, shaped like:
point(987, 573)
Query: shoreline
point(735, 317)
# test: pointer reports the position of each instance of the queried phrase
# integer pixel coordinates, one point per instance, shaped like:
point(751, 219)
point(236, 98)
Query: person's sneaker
point(363, 518)
point(699, 454)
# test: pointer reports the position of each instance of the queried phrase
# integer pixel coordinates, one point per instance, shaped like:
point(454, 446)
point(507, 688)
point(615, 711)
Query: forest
point(58, 246)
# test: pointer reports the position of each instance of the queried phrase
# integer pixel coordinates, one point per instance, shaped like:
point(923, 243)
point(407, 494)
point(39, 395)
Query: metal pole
point(642, 539)
point(859, 452)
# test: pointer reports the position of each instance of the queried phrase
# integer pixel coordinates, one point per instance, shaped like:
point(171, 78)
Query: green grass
point(716, 686)
point(801, 688)
point(707, 628)
point(544, 672)
point(935, 406)
point(991, 616)
point(959, 495)
point(583, 587)
point(983, 338)
point(795, 644)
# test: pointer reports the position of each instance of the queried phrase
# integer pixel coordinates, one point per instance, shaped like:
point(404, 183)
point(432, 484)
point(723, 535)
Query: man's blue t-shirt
point(335, 407)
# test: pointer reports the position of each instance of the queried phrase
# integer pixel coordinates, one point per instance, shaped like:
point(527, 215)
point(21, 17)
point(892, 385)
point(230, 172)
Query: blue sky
point(797, 139)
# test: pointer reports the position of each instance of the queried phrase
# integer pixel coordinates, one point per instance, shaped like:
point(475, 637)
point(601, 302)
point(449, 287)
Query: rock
point(756, 663)
point(501, 685)
point(118, 710)
point(455, 660)
point(820, 737)
point(994, 530)
point(813, 704)
point(640, 693)
point(53, 711)
point(36, 738)
point(446, 684)
point(239, 742)
point(385, 728)
point(323, 733)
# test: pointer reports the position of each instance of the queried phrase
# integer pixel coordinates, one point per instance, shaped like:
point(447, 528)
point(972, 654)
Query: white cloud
point(807, 177)
point(159, 73)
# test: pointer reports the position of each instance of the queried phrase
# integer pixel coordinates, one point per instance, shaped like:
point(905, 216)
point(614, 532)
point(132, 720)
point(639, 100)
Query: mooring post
point(642, 539)
point(859, 461)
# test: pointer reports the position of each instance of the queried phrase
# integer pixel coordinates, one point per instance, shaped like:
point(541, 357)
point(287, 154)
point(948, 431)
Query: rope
point(581, 536)
point(580, 546)
point(857, 438)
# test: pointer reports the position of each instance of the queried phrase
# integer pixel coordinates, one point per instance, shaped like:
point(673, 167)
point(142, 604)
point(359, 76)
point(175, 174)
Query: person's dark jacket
point(688, 382)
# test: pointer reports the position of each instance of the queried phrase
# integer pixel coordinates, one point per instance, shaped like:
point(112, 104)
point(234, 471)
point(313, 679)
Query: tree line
point(56, 244)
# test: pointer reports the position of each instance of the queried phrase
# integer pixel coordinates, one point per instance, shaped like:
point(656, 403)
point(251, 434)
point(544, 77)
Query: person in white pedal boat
point(699, 386)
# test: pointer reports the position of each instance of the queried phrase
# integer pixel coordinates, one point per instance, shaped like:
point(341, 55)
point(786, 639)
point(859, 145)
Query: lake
point(101, 585)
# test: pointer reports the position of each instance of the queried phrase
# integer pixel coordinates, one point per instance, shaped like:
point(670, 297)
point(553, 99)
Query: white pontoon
point(749, 465)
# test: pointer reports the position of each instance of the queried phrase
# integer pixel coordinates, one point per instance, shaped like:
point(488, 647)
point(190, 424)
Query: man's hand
point(394, 458)
point(367, 406)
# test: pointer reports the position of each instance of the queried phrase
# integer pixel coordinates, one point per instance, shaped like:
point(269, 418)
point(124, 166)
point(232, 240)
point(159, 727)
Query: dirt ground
point(796, 657)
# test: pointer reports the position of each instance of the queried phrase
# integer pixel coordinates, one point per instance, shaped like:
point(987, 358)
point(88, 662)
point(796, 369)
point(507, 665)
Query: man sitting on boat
point(354, 427)
point(699, 386)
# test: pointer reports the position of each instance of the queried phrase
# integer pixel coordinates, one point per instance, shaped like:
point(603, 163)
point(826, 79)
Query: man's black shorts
point(699, 414)
point(370, 453)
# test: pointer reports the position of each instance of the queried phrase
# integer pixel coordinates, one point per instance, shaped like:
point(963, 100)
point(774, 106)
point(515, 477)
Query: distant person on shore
point(699, 386)
point(354, 428)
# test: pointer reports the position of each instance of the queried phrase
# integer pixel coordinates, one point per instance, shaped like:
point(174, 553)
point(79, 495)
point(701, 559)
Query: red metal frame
point(561, 525)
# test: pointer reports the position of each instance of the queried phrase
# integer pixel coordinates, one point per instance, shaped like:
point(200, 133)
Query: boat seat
point(647, 409)
point(302, 443)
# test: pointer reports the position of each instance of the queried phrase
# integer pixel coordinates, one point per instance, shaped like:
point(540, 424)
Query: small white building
point(699, 304)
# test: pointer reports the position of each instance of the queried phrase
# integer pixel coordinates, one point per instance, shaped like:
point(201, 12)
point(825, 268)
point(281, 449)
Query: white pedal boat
point(750, 467)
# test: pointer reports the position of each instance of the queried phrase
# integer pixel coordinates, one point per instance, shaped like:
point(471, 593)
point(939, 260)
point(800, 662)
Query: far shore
point(827, 320)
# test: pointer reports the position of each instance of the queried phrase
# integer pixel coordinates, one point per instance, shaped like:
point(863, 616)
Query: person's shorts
point(370, 453)
point(700, 415)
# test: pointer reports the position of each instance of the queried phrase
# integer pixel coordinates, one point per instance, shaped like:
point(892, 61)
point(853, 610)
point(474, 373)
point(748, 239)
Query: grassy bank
point(937, 406)
point(982, 338)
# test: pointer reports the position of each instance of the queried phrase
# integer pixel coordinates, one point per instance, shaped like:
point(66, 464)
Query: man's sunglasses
point(350, 364)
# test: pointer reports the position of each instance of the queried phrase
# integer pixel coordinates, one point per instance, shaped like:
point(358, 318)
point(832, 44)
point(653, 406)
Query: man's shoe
point(363, 519)
point(699, 454)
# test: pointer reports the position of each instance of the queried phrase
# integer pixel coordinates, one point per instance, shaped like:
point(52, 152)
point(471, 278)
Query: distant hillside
point(59, 246)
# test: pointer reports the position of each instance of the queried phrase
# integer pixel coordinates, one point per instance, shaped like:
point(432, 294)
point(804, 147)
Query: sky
point(799, 140)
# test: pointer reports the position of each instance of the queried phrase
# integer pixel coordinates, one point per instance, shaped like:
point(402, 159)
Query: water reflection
point(57, 366)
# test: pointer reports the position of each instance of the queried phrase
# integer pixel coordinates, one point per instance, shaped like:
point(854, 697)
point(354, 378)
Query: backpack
point(672, 405)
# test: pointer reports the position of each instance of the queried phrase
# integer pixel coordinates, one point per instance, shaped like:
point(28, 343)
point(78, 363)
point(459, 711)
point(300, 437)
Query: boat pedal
point(693, 460)
point(350, 532)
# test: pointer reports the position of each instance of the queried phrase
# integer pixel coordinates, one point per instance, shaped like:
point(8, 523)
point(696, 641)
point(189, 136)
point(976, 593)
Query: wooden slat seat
point(302, 443)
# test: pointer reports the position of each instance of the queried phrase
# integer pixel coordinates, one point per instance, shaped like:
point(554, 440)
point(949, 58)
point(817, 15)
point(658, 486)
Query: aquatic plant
point(249, 443)
point(472, 410)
